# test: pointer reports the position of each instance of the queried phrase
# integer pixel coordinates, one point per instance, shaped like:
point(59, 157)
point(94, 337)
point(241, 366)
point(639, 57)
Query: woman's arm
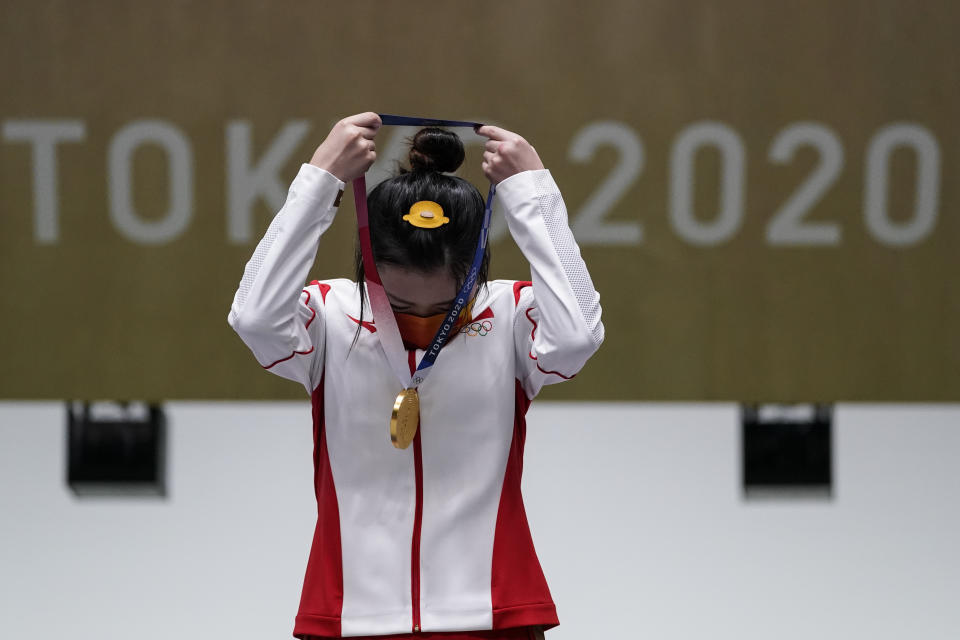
point(557, 324)
point(279, 320)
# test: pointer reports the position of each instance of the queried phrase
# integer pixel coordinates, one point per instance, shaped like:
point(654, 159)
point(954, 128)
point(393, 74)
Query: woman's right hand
point(349, 150)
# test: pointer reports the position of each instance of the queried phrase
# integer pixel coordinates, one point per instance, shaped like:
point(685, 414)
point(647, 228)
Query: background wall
point(763, 191)
point(636, 513)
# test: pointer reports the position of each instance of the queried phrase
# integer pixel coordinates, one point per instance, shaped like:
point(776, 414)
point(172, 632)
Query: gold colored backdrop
point(764, 192)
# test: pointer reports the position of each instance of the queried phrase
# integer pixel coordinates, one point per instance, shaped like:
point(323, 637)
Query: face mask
point(418, 331)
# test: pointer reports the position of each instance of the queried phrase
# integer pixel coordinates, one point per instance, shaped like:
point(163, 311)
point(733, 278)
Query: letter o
point(120, 189)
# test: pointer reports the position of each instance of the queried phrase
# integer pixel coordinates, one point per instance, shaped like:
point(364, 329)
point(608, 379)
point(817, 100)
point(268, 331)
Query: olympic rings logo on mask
point(477, 328)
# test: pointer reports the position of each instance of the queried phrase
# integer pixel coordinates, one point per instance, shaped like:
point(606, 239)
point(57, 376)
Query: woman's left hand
point(506, 154)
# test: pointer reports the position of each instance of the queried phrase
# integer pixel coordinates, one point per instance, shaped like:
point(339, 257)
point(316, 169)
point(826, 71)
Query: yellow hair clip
point(426, 214)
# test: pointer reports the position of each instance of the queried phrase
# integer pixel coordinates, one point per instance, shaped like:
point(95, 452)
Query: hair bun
point(436, 149)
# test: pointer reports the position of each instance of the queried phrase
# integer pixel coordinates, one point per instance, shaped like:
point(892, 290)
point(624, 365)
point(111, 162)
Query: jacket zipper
point(417, 515)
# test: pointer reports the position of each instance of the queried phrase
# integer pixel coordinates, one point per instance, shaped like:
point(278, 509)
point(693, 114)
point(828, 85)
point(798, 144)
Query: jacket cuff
point(526, 185)
point(317, 184)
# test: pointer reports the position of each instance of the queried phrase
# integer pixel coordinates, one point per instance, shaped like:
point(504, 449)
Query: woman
point(431, 540)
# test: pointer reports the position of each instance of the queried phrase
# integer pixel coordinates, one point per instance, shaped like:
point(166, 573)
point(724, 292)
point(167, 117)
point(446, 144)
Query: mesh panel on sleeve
point(555, 218)
point(253, 266)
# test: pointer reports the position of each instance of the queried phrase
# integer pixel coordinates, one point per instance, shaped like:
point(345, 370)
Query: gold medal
point(405, 418)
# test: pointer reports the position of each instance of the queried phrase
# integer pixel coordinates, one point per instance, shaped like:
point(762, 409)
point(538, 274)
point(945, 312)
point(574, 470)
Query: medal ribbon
point(383, 318)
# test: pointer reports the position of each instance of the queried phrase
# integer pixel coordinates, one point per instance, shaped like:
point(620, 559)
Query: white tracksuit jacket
point(433, 537)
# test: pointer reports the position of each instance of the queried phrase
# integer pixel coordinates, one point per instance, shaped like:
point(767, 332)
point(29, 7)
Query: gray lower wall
point(636, 512)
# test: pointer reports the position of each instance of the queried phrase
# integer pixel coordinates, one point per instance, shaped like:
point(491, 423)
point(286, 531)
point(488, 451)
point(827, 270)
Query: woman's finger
point(368, 119)
point(368, 132)
point(494, 133)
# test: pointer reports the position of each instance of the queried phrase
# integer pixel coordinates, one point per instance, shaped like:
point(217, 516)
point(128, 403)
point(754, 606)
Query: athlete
point(429, 540)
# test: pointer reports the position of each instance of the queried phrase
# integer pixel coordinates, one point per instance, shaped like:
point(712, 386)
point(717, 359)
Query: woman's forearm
point(265, 306)
point(569, 328)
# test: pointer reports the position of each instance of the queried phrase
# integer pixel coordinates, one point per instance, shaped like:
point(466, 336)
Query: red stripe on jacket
point(533, 334)
point(313, 314)
point(321, 602)
point(517, 576)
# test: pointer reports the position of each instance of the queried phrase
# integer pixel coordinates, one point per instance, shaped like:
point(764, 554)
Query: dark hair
point(451, 246)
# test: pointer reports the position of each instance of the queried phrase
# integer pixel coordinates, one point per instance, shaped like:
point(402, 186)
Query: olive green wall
point(764, 192)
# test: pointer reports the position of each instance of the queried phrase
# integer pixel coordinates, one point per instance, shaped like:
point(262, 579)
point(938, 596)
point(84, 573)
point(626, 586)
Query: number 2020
point(787, 226)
